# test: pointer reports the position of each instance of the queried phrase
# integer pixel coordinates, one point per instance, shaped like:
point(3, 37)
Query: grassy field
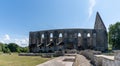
point(15, 60)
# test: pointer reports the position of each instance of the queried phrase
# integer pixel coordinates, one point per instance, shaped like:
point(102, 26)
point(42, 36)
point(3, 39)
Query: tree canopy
point(114, 35)
point(12, 47)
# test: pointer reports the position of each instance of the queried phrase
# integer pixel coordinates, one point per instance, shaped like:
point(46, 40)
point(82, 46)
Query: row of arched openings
point(61, 35)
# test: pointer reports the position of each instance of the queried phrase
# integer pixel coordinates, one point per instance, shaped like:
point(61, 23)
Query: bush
point(23, 49)
point(12, 47)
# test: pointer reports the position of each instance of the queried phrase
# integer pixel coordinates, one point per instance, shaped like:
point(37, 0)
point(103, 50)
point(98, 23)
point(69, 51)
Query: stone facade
point(68, 39)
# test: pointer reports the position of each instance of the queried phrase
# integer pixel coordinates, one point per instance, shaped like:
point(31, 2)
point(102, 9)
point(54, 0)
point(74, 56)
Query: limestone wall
point(97, 59)
point(80, 60)
point(79, 39)
point(109, 62)
point(90, 54)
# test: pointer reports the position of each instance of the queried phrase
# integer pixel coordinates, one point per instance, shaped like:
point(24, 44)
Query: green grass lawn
point(15, 60)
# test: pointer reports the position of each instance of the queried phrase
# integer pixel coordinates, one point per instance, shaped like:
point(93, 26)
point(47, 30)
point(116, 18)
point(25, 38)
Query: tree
point(13, 47)
point(23, 49)
point(5, 48)
point(114, 35)
point(1, 44)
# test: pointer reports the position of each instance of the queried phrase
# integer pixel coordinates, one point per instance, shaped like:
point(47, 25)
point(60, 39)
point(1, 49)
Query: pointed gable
point(99, 22)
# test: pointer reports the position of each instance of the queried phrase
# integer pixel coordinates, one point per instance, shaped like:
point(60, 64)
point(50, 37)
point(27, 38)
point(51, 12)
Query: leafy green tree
point(13, 47)
point(5, 48)
point(114, 35)
point(23, 49)
point(1, 44)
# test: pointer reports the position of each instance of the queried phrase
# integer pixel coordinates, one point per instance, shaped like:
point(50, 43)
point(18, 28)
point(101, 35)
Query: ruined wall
point(61, 39)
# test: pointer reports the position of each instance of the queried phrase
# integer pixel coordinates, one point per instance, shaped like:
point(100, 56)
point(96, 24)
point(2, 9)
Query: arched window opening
point(43, 36)
point(60, 35)
point(88, 35)
point(51, 35)
point(79, 34)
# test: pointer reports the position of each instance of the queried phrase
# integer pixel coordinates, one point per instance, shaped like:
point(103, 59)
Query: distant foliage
point(12, 47)
point(114, 35)
point(23, 49)
point(5, 48)
point(1, 47)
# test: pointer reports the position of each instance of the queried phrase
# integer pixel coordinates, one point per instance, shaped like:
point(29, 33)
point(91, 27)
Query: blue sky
point(19, 17)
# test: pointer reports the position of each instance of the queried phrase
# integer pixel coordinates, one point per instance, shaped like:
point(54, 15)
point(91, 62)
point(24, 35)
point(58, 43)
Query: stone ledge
point(80, 60)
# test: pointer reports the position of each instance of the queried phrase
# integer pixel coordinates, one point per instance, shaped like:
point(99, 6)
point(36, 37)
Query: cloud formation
point(91, 6)
point(20, 41)
point(6, 37)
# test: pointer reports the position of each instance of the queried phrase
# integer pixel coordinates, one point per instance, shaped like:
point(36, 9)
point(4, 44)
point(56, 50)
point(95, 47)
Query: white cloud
point(20, 41)
point(2, 41)
point(6, 37)
point(91, 6)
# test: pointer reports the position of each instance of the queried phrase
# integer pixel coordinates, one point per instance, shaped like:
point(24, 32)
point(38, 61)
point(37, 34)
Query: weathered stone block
point(117, 56)
point(80, 60)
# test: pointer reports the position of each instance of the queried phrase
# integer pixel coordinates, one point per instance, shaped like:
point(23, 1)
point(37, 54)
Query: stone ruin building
point(68, 39)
